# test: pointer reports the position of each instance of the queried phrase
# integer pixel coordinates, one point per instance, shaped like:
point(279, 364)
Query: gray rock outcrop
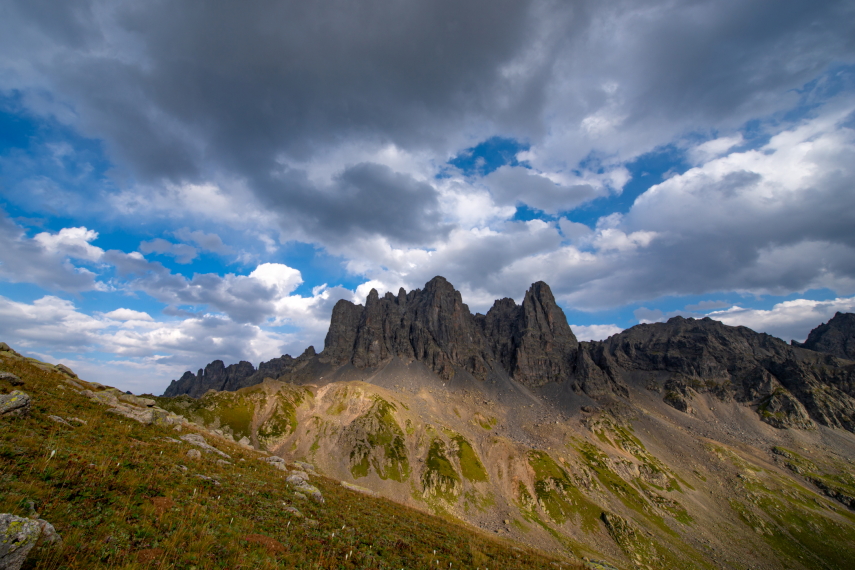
point(531, 342)
point(11, 379)
point(217, 376)
point(15, 404)
point(18, 536)
point(790, 387)
point(836, 337)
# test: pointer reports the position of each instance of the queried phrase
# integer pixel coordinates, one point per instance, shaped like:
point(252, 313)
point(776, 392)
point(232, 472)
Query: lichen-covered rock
point(17, 537)
point(298, 481)
point(15, 404)
point(275, 461)
point(8, 349)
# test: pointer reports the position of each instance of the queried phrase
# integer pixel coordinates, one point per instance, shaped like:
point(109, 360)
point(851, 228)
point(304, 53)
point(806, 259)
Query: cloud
point(70, 242)
point(149, 353)
point(594, 332)
point(182, 252)
point(273, 126)
point(208, 242)
point(708, 305)
point(512, 185)
point(128, 315)
point(787, 320)
point(45, 259)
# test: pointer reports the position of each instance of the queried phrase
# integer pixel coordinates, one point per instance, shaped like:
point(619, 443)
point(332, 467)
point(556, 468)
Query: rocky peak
point(531, 342)
point(836, 337)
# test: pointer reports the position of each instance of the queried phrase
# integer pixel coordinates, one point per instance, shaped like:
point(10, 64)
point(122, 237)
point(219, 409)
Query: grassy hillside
point(125, 495)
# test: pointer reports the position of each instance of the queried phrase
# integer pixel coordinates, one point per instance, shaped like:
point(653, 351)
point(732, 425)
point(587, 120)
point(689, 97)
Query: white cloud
point(714, 148)
point(594, 332)
point(281, 277)
point(128, 315)
point(787, 320)
point(71, 242)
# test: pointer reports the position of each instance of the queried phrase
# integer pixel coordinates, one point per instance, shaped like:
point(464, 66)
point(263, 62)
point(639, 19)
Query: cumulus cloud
point(148, 352)
point(787, 320)
point(594, 332)
point(45, 260)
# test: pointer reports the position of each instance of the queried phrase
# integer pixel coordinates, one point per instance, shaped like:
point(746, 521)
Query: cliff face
point(217, 376)
point(836, 337)
point(791, 387)
point(531, 342)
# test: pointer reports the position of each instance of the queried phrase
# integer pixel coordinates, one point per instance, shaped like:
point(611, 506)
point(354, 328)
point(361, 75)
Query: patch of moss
point(558, 496)
point(283, 421)
point(470, 466)
point(440, 478)
point(378, 430)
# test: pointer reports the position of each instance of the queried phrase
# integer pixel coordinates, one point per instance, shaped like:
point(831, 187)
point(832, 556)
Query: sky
point(188, 181)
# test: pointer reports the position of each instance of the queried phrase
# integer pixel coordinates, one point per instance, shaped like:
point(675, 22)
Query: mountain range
point(688, 443)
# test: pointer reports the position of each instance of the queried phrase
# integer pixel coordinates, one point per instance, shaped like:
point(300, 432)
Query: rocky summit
point(683, 444)
point(836, 337)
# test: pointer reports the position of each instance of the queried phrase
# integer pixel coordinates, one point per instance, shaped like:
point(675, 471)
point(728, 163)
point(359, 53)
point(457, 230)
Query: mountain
point(123, 484)
point(836, 337)
point(686, 444)
point(217, 376)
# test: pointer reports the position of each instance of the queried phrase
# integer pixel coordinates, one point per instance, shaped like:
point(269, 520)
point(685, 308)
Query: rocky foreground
point(686, 444)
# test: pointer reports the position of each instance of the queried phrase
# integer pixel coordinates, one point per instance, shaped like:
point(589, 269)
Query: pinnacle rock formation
point(217, 376)
point(532, 342)
point(836, 337)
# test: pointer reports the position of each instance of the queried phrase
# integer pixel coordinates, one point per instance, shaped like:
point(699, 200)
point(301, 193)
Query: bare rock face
point(836, 337)
point(217, 376)
point(790, 387)
point(532, 343)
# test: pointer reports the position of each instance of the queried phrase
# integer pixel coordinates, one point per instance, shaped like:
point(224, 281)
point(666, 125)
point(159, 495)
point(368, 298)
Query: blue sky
point(181, 183)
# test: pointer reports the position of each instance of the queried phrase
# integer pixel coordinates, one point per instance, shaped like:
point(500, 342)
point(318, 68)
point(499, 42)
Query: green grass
point(381, 432)
point(440, 479)
point(115, 491)
point(470, 466)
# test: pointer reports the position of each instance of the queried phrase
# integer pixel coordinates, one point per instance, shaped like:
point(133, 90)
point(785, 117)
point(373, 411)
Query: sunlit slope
point(647, 486)
point(126, 495)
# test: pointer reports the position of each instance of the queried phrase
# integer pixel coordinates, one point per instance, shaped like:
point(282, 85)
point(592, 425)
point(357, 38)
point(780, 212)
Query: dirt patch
point(149, 555)
point(272, 546)
point(162, 504)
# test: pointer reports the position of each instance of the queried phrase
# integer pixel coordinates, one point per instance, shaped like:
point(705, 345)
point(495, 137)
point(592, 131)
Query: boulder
point(18, 536)
point(6, 348)
point(66, 370)
point(11, 379)
point(15, 404)
point(199, 441)
point(304, 466)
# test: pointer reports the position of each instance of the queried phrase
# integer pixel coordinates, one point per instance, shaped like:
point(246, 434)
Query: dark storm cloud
point(183, 91)
point(366, 198)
